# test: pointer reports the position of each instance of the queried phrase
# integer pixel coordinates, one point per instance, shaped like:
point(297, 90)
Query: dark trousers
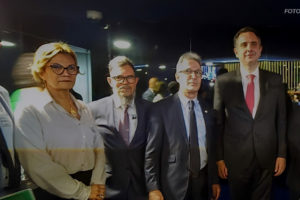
point(128, 193)
point(84, 176)
point(198, 186)
point(252, 184)
point(294, 195)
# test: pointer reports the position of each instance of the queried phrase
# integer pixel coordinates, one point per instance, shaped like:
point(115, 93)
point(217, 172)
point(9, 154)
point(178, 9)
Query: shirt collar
point(244, 72)
point(45, 98)
point(151, 90)
point(184, 100)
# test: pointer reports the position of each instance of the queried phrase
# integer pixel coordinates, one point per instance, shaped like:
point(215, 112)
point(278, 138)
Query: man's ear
point(176, 77)
point(109, 81)
point(235, 52)
point(137, 80)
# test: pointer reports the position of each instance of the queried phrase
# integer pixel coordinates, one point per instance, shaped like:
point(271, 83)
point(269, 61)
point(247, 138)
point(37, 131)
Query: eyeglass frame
point(123, 78)
point(189, 72)
point(64, 68)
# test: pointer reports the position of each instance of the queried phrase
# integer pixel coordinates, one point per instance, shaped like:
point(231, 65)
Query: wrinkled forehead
point(188, 64)
point(124, 70)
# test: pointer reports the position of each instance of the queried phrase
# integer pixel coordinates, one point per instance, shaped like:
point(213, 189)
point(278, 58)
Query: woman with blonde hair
point(57, 141)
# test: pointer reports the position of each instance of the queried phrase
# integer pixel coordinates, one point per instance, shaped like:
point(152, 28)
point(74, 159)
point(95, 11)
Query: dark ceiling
point(159, 30)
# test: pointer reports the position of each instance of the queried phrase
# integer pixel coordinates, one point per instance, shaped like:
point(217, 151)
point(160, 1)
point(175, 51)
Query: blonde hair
point(44, 54)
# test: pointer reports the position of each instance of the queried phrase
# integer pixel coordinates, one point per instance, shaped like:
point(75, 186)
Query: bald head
point(152, 82)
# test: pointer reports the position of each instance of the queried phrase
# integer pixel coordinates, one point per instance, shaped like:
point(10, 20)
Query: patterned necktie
point(124, 126)
point(250, 92)
point(193, 142)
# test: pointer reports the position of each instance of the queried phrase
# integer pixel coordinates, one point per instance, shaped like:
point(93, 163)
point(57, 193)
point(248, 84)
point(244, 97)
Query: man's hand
point(222, 169)
point(155, 195)
point(216, 190)
point(97, 192)
point(279, 166)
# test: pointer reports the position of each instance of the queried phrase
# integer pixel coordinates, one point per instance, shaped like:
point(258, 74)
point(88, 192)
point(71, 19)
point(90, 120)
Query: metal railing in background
point(289, 70)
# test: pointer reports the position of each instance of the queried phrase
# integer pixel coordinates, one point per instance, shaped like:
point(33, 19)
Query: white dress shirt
point(201, 128)
point(245, 82)
point(52, 144)
point(119, 114)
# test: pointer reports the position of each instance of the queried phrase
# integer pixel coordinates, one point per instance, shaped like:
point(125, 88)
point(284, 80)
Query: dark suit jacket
point(14, 173)
point(293, 178)
point(242, 138)
point(125, 164)
point(167, 151)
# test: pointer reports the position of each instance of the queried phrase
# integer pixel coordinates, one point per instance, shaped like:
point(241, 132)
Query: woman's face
point(59, 81)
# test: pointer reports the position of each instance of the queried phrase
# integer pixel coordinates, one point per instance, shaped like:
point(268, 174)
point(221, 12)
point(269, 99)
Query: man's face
point(248, 48)
point(189, 76)
point(123, 81)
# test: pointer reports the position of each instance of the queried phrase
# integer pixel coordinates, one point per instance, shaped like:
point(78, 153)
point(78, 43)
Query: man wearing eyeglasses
point(179, 160)
point(125, 118)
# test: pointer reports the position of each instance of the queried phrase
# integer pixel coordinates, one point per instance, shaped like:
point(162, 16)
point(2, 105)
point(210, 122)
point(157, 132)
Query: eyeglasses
point(121, 79)
point(198, 73)
point(59, 69)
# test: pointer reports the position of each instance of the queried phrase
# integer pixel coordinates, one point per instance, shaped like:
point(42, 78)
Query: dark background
point(159, 31)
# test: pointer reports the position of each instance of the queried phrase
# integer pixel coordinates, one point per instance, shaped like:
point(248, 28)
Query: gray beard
point(126, 100)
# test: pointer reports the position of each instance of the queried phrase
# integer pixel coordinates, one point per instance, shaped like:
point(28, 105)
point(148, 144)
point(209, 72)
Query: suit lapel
point(179, 117)
point(204, 110)
point(239, 93)
point(6, 107)
point(263, 86)
point(140, 119)
point(111, 115)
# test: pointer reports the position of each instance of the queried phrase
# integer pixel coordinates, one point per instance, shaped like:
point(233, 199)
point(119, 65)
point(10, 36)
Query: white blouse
point(52, 144)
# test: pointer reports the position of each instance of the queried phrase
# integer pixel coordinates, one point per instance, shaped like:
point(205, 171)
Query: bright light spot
point(209, 63)
point(7, 44)
point(162, 67)
point(94, 15)
point(122, 44)
point(147, 65)
point(165, 79)
point(138, 70)
point(211, 84)
point(146, 73)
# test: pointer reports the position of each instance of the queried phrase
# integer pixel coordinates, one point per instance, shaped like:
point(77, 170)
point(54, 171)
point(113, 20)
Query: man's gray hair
point(119, 61)
point(188, 56)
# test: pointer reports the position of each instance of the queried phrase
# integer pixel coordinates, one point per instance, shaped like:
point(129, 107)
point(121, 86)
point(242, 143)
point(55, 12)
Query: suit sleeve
point(219, 110)
point(153, 147)
point(212, 169)
point(281, 121)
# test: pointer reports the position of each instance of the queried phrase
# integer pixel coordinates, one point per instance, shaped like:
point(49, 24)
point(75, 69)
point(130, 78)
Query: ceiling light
point(94, 15)
point(122, 44)
point(7, 43)
point(162, 67)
